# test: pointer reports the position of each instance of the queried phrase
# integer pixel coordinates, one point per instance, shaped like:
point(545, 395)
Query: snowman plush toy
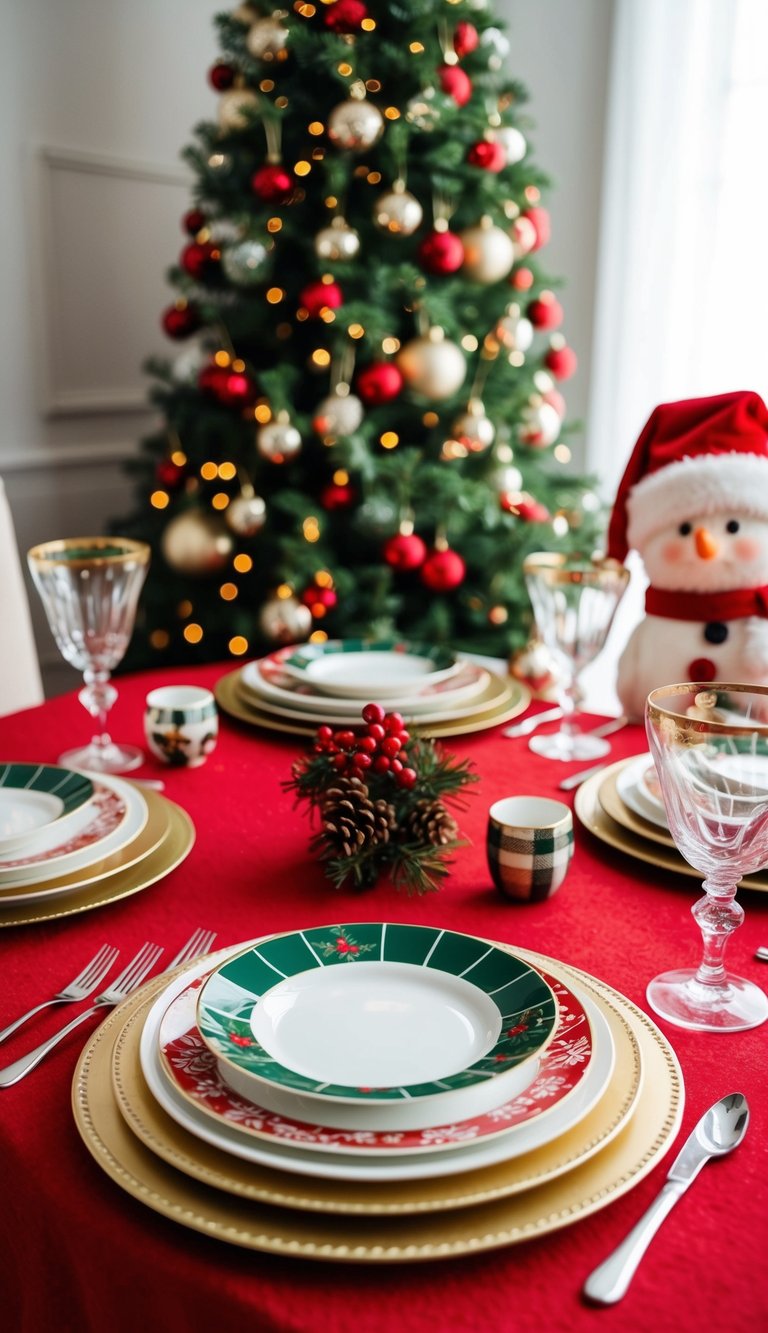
point(694, 503)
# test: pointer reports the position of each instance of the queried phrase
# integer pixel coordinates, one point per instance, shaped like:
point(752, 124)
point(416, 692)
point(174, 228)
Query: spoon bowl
point(724, 1125)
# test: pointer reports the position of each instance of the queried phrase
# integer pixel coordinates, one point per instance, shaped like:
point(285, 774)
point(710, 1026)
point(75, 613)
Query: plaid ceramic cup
point(529, 843)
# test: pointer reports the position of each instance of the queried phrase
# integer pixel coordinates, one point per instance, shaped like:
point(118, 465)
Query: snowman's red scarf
point(707, 606)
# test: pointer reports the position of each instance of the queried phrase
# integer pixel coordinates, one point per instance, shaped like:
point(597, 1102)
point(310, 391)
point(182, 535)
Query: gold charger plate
point(216, 1167)
point(323, 1236)
point(175, 844)
point(621, 829)
point(513, 699)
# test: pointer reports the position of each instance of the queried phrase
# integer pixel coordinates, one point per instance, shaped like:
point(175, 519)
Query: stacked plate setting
point(622, 806)
point(71, 840)
point(318, 1092)
point(300, 687)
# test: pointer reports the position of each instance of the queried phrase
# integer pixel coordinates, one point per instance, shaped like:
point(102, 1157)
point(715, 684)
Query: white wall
point(87, 228)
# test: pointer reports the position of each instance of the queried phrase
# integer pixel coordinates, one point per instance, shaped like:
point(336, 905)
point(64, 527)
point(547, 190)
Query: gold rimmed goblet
point(90, 587)
point(574, 600)
point(710, 747)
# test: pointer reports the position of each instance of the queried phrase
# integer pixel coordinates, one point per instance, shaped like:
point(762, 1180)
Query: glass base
point(688, 1003)
point(110, 758)
point(562, 745)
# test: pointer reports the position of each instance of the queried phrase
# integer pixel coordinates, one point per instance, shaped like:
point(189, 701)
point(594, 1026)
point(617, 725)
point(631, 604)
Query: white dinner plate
point(39, 804)
point(267, 681)
point(636, 794)
point(121, 810)
point(362, 669)
point(338, 1166)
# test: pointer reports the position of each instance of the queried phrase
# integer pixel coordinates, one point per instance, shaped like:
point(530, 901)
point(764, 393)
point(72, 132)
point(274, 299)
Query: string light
point(323, 579)
point(430, 418)
point(389, 440)
point(159, 638)
point(316, 127)
point(562, 453)
point(209, 471)
point(262, 413)
point(318, 636)
point(390, 345)
point(311, 529)
point(238, 645)
point(275, 295)
point(179, 458)
point(373, 85)
point(368, 25)
point(469, 342)
point(331, 201)
point(228, 591)
point(222, 358)
point(267, 85)
point(340, 478)
point(159, 499)
point(227, 471)
point(184, 609)
point(321, 357)
point(220, 500)
point(284, 592)
point(243, 564)
point(373, 177)
point(274, 225)
point(281, 102)
point(391, 113)
point(356, 331)
point(302, 168)
point(344, 69)
point(416, 48)
point(193, 633)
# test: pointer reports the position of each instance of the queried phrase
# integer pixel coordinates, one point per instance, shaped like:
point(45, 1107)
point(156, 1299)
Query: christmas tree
point(362, 431)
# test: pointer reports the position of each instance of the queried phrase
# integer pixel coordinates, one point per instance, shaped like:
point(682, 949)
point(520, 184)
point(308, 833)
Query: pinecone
point(351, 821)
point(429, 821)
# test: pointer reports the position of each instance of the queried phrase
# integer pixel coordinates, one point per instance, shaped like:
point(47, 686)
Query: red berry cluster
point(381, 748)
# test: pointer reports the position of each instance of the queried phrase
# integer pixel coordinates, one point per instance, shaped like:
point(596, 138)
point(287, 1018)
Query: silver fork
point(131, 977)
point(197, 944)
point(83, 985)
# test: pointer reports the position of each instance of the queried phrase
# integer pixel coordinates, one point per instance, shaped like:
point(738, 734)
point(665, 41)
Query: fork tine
point(97, 972)
point(146, 966)
point(199, 942)
point(85, 976)
point(131, 967)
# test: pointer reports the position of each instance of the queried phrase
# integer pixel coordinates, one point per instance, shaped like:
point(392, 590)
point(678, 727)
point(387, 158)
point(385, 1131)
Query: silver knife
point(720, 1129)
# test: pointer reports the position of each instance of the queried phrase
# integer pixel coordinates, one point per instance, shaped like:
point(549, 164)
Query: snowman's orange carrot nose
point(706, 546)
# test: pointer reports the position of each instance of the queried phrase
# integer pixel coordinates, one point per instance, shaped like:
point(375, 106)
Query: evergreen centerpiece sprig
point(381, 796)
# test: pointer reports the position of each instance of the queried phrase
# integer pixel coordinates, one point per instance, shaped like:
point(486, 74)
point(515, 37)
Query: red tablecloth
point(78, 1254)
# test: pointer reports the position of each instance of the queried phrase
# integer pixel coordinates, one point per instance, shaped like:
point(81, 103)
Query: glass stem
point(98, 696)
point(571, 700)
point(718, 915)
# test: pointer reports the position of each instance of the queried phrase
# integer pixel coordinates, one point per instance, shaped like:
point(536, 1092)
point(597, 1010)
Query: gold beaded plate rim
point(442, 1235)
point(173, 848)
point(230, 701)
point(622, 836)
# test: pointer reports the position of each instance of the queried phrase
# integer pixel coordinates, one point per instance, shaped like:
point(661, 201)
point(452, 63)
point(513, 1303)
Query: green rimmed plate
point(364, 668)
point(377, 1025)
point(35, 797)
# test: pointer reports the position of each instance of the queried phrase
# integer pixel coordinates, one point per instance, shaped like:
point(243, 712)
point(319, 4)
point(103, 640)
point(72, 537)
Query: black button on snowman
point(693, 502)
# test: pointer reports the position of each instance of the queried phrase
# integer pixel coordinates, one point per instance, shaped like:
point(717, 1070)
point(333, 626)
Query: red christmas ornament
point(404, 551)
point(561, 361)
point(379, 382)
point(221, 76)
point(525, 508)
point(169, 474)
point(545, 312)
point(521, 280)
point(318, 296)
point(456, 83)
point(193, 221)
point(319, 601)
point(179, 321)
point(273, 183)
point(199, 258)
point(441, 252)
point(465, 39)
point(487, 154)
point(443, 571)
point(232, 388)
point(334, 496)
point(345, 15)
point(539, 218)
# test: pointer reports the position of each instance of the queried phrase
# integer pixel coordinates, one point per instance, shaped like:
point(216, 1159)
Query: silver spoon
point(720, 1129)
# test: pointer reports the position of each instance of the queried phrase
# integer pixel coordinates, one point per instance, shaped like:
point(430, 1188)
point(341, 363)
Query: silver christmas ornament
point(338, 415)
point(506, 478)
point(488, 252)
point(237, 107)
point(540, 425)
point(337, 242)
point(513, 143)
point(355, 125)
point(244, 263)
point(514, 331)
point(196, 543)
point(246, 514)
point(285, 620)
point(267, 38)
point(473, 428)
point(376, 518)
point(279, 440)
point(425, 109)
point(187, 366)
point(496, 45)
point(432, 365)
point(398, 211)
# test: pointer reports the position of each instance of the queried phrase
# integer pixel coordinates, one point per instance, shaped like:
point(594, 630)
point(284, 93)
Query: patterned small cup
point(181, 724)
point(529, 843)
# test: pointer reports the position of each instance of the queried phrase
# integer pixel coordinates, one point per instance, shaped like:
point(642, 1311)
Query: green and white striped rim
point(526, 1006)
point(70, 790)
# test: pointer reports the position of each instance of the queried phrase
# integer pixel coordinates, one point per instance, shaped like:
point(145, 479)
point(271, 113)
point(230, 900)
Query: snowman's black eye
point(685, 529)
point(732, 525)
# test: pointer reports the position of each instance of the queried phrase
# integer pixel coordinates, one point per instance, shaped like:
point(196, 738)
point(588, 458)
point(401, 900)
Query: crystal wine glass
point(574, 601)
point(89, 587)
point(710, 747)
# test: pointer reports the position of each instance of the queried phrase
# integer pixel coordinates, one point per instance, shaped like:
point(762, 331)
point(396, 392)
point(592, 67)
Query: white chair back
point(20, 683)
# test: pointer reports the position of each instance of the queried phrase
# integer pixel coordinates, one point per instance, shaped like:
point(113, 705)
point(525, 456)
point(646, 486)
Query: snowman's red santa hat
point(698, 457)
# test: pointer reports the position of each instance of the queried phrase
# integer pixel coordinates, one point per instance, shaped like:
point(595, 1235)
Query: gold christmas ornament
point(338, 414)
point(267, 38)
point(537, 668)
point(196, 543)
point(279, 440)
point(398, 211)
point(488, 252)
point(425, 110)
point(355, 125)
point(285, 620)
point(432, 365)
point(513, 143)
point(246, 514)
point(514, 331)
point(337, 242)
point(237, 107)
point(473, 429)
